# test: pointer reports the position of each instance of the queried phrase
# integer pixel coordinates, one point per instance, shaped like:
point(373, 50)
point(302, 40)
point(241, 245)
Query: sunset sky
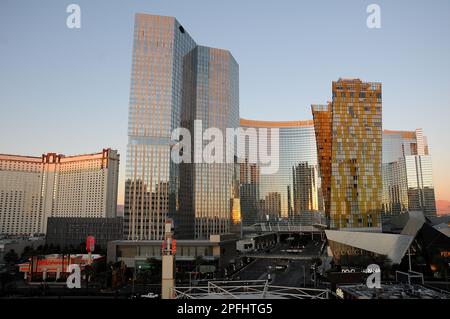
point(64, 90)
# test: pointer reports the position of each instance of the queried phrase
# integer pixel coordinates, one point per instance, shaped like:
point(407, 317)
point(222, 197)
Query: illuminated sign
point(352, 270)
point(174, 246)
point(90, 244)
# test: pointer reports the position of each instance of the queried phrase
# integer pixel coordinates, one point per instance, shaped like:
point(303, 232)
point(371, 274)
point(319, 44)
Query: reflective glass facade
point(354, 194)
point(407, 173)
point(294, 188)
point(323, 117)
point(152, 182)
point(419, 175)
point(397, 144)
point(208, 199)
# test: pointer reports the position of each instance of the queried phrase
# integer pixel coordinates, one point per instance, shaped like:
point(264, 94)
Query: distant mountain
point(443, 206)
point(119, 210)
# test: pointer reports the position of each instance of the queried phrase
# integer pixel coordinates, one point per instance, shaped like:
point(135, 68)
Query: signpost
point(90, 247)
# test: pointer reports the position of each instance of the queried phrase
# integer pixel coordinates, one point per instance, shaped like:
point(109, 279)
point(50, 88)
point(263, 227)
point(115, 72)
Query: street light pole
point(409, 258)
point(304, 275)
point(134, 278)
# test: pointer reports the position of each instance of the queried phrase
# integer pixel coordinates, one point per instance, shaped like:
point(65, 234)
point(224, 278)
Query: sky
point(66, 90)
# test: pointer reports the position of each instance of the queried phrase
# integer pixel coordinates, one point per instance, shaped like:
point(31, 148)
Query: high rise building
point(353, 122)
point(152, 180)
point(407, 173)
point(397, 144)
point(419, 176)
point(295, 188)
point(173, 78)
point(249, 180)
point(53, 185)
point(208, 198)
point(322, 118)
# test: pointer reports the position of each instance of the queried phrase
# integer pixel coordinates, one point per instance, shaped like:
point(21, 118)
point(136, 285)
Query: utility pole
point(134, 278)
point(409, 258)
point(304, 275)
point(168, 262)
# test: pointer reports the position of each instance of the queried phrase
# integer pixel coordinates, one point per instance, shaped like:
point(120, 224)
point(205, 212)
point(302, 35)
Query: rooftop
point(394, 291)
point(263, 124)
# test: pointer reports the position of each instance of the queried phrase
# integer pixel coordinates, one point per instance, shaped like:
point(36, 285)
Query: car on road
point(282, 267)
point(294, 251)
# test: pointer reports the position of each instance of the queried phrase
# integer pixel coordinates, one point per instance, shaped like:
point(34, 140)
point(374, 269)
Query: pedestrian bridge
point(280, 256)
point(286, 228)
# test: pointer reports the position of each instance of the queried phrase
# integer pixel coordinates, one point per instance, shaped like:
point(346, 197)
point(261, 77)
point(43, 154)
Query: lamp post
point(134, 277)
point(304, 275)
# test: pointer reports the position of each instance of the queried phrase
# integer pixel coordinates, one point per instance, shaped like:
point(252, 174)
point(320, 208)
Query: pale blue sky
point(67, 90)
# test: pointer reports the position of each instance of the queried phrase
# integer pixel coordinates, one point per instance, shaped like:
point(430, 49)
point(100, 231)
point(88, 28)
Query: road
point(257, 269)
point(293, 276)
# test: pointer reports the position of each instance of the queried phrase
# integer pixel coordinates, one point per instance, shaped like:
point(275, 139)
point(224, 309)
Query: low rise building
point(413, 244)
point(394, 291)
point(218, 251)
point(55, 266)
point(68, 232)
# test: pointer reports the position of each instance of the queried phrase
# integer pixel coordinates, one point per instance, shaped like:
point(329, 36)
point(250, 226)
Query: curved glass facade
point(294, 188)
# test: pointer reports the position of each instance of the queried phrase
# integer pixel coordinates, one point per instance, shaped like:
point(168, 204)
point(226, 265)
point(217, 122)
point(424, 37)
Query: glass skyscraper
point(407, 173)
point(171, 77)
point(353, 156)
point(211, 95)
point(295, 188)
point(322, 118)
point(151, 188)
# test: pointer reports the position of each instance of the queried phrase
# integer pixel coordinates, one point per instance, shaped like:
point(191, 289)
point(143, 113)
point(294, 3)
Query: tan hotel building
point(53, 185)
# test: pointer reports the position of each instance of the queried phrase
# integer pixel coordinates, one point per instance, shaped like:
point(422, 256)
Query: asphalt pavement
point(297, 273)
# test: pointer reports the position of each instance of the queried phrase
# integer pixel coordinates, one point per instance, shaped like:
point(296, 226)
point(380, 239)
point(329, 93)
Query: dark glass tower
point(208, 196)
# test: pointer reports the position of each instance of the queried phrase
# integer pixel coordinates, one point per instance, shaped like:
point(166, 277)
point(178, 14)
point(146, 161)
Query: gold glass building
point(322, 118)
point(353, 156)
